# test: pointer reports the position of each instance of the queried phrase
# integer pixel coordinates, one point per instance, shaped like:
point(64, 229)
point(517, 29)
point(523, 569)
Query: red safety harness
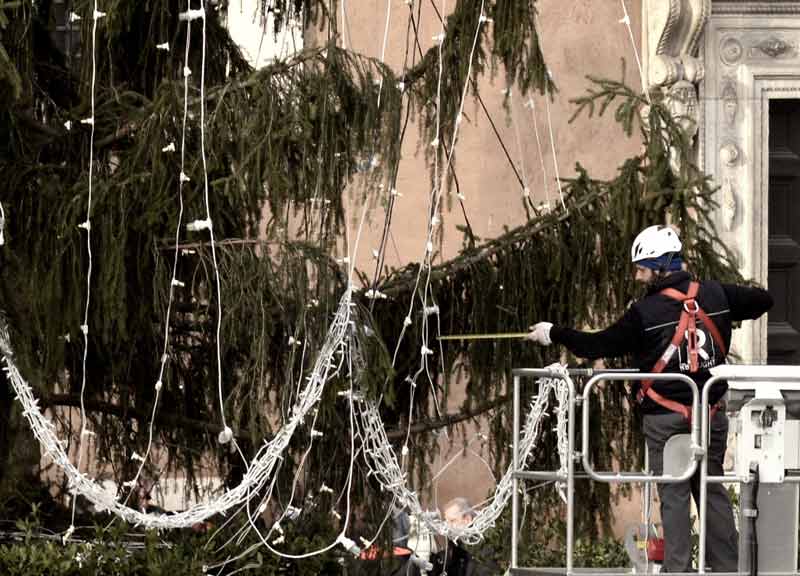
point(687, 327)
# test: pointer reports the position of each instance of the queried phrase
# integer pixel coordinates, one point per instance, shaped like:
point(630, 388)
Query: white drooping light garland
point(383, 464)
point(259, 471)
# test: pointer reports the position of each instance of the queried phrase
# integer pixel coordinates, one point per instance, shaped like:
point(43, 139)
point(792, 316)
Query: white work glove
point(540, 333)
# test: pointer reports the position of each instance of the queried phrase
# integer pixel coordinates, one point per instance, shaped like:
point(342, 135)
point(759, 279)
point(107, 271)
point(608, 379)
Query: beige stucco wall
point(580, 38)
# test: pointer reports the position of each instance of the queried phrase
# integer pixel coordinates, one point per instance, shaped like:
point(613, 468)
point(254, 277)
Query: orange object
point(655, 549)
point(374, 552)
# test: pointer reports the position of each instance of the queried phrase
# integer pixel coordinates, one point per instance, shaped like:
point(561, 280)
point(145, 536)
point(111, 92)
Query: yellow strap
point(499, 336)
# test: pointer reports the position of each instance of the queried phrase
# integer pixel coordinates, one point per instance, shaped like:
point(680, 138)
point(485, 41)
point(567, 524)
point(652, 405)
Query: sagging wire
point(553, 148)
point(424, 350)
point(550, 127)
point(227, 434)
point(531, 104)
point(626, 20)
point(429, 309)
point(174, 282)
point(526, 191)
point(87, 226)
point(383, 48)
point(345, 352)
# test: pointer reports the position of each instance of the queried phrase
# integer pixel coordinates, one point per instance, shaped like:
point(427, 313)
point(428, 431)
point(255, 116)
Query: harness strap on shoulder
point(687, 327)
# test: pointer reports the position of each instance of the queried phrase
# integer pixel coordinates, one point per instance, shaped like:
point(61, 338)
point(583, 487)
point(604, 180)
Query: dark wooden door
point(783, 340)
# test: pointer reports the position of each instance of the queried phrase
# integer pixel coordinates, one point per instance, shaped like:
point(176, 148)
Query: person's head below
point(656, 253)
point(458, 513)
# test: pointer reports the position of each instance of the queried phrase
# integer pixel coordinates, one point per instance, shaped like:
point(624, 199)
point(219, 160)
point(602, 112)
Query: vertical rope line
point(532, 105)
point(173, 280)
point(626, 19)
point(383, 49)
point(526, 192)
point(87, 225)
point(553, 149)
point(208, 217)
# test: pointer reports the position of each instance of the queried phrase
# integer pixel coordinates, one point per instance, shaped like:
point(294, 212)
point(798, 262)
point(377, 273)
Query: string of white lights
point(174, 282)
point(227, 434)
point(258, 473)
point(429, 306)
point(2, 224)
point(87, 226)
point(382, 460)
point(432, 222)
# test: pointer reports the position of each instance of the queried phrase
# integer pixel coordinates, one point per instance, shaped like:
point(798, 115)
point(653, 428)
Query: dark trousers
point(721, 538)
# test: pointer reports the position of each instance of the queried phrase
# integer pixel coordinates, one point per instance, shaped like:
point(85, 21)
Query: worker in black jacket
point(680, 326)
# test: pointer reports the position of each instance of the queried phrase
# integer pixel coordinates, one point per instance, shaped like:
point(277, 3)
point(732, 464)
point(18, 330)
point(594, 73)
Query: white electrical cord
point(87, 226)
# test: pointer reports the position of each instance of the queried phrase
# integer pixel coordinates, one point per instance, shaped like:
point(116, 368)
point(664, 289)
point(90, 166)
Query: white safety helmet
point(655, 241)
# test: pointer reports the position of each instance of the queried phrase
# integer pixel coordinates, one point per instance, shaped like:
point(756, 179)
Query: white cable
point(383, 49)
point(174, 279)
point(206, 202)
point(532, 105)
point(526, 191)
point(2, 224)
point(87, 225)
point(627, 21)
point(434, 210)
point(553, 149)
point(550, 126)
point(344, 25)
point(341, 537)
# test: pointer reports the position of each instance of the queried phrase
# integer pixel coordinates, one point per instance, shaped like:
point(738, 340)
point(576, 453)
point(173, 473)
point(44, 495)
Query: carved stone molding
point(776, 48)
point(744, 7)
point(730, 101)
point(729, 154)
point(728, 204)
point(751, 52)
point(671, 31)
point(731, 51)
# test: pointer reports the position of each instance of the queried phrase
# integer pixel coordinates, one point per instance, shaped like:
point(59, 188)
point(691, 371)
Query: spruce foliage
point(283, 145)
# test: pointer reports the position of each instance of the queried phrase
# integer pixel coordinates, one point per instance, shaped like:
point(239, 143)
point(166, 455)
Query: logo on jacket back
point(706, 352)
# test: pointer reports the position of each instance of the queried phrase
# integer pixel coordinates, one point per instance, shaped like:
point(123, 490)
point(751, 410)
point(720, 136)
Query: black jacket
point(645, 330)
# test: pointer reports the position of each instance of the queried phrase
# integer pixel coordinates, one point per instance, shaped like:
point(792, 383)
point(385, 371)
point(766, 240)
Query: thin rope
point(626, 19)
point(87, 225)
point(532, 105)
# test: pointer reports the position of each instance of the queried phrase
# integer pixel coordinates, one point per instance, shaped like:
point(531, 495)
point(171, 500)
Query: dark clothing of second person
point(456, 561)
point(644, 332)
point(646, 328)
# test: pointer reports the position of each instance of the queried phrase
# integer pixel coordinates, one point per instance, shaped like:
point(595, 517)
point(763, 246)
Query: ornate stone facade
point(751, 53)
point(740, 55)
